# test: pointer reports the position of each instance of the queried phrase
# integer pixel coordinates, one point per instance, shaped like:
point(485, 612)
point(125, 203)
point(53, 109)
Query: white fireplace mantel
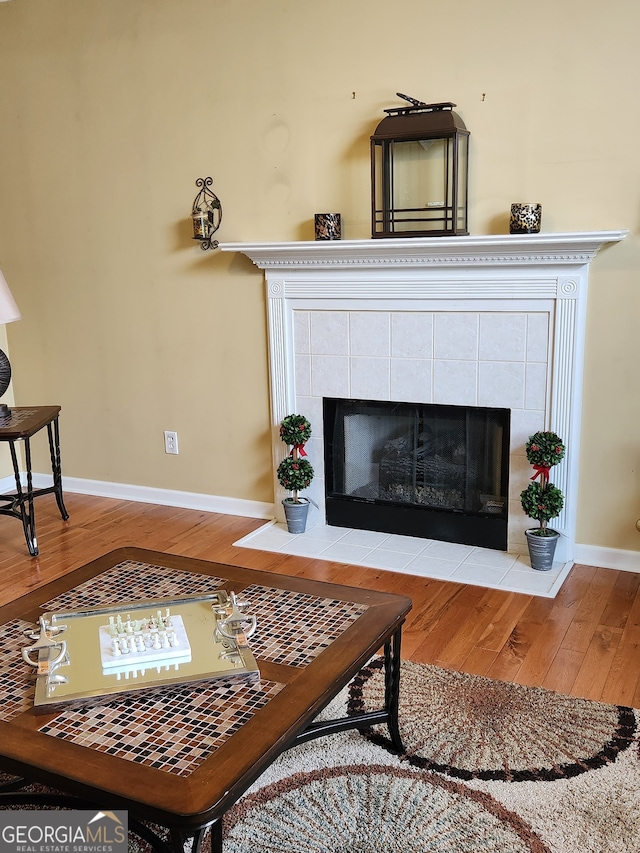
point(482, 251)
point(519, 278)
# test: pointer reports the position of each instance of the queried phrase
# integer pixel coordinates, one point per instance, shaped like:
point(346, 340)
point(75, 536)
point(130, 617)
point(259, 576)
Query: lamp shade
point(8, 308)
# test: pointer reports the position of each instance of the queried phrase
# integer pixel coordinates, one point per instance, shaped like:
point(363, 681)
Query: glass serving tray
point(96, 654)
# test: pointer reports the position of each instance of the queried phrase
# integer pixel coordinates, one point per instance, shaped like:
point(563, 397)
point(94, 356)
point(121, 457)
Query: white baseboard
point(586, 555)
point(144, 494)
point(608, 558)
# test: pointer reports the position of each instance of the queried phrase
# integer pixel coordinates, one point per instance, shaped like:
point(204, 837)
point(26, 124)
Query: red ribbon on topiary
point(541, 469)
point(299, 448)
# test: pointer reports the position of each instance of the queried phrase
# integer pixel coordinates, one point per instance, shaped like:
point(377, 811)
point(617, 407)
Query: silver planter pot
point(296, 514)
point(541, 549)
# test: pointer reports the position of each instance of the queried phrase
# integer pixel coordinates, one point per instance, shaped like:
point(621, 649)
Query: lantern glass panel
point(420, 181)
point(462, 188)
point(379, 185)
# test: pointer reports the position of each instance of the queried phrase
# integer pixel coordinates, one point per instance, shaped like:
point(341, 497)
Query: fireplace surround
point(495, 321)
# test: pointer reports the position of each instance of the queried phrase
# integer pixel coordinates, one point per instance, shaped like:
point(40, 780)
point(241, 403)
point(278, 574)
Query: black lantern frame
point(419, 172)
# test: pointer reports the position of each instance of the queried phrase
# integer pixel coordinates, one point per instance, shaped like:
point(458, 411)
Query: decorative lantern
point(206, 214)
point(419, 172)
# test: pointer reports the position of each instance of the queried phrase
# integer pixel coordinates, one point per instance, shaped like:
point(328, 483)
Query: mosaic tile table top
point(175, 735)
point(133, 580)
point(179, 731)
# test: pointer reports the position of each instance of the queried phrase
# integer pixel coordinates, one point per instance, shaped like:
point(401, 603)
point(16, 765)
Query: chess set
point(159, 638)
point(92, 655)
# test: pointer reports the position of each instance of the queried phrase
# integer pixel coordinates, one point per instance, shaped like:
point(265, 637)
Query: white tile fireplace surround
point(496, 321)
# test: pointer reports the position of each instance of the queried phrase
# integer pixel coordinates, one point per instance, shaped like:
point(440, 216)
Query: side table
point(20, 425)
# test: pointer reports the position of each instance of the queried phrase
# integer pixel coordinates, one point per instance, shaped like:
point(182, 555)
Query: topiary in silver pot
point(294, 472)
point(541, 500)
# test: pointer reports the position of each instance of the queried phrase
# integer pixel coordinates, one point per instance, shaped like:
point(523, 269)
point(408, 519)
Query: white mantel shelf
point(486, 250)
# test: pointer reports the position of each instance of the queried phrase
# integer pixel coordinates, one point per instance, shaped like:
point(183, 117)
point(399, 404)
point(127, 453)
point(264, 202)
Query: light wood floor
point(585, 642)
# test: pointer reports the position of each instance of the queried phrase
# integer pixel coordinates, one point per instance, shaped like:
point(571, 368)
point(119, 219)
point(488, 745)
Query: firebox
point(417, 469)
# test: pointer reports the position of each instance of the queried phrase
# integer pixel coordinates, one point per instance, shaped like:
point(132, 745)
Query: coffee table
point(182, 756)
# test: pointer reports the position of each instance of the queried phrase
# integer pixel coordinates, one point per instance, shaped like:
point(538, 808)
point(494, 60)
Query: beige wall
point(111, 110)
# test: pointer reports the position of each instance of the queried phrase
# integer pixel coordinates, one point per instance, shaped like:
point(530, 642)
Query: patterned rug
point(488, 766)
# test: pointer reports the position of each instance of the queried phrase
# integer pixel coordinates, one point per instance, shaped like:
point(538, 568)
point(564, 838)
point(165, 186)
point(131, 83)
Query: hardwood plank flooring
point(585, 642)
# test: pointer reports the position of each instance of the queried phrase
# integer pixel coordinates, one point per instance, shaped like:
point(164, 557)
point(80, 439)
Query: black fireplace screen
point(425, 470)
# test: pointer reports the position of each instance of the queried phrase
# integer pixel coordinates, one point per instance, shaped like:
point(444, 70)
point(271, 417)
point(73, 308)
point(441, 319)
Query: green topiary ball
point(295, 474)
point(542, 503)
point(545, 448)
point(295, 429)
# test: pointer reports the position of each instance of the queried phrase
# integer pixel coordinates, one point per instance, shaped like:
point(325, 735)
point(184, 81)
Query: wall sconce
point(206, 215)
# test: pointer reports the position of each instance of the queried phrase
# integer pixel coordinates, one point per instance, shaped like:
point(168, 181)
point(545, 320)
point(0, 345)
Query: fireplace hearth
point(430, 471)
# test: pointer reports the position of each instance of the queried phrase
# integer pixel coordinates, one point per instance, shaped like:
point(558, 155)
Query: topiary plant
point(295, 430)
point(294, 472)
point(295, 475)
point(541, 500)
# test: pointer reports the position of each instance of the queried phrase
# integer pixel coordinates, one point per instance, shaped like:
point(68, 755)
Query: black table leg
point(178, 839)
point(392, 686)
point(365, 719)
point(24, 500)
point(56, 467)
point(216, 836)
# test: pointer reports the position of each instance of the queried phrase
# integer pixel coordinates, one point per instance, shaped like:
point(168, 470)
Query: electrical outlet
point(171, 442)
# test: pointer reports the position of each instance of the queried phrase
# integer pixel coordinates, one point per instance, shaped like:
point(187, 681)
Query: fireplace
point(490, 321)
point(415, 469)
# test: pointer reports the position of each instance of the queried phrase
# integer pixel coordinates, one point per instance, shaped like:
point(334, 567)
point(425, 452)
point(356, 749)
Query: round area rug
point(373, 809)
point(471, 727)
point(346, 793)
